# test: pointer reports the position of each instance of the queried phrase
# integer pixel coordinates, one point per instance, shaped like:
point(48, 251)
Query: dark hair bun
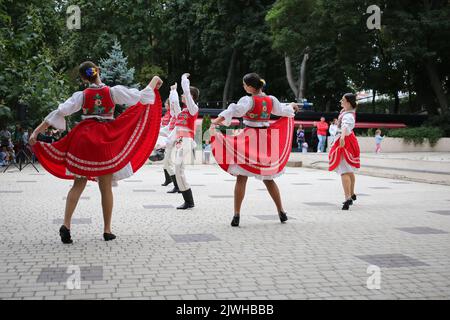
point(254, 80)
point(88, 71)
point(351, 98)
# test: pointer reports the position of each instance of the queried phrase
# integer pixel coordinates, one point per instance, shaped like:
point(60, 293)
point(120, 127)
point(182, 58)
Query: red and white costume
point(345, 159)
point(262, 149)
point(100, 145)
point(181, 138)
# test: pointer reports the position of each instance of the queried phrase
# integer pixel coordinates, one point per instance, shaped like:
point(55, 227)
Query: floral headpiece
point(91, 72)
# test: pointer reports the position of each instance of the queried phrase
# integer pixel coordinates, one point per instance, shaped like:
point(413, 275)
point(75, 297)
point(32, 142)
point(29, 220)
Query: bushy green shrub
point(418, 135)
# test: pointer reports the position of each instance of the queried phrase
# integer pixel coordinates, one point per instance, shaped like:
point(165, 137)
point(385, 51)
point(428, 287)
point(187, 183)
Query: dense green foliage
point(218, 41)
point(418, 135)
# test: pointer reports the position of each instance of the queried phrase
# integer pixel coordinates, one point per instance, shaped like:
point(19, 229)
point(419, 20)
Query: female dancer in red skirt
point(100, 148)
point(262, 149)
point(344, 154)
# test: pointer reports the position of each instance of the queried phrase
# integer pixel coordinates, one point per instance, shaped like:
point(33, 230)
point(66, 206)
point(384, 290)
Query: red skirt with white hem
point(350, 152)
point(94, 148)
point(260, 152)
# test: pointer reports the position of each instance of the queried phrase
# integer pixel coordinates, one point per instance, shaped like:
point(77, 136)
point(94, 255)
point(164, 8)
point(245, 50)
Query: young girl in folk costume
point(344, 154)
point(181, 139)
point(262, 149)
point(99, 147)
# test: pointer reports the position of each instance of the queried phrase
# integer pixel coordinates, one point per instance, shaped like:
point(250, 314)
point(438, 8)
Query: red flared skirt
point(262, 152)
point(350, 152)
point(93, 148)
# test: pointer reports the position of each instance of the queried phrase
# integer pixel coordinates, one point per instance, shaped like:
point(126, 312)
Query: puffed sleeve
point(282, 110)
point(348, 122)
point(237, 109)
point(174, 101)
point(72, 105)
point(130, 97)
point(190, 103)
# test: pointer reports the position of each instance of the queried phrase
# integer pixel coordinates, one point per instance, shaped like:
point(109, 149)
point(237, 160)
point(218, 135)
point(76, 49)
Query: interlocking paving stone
point(133, 181)
point(11, 191)
point(26, 181)
point(198, 185)
point(319, 204)
point(380, 188)
point(271, 217)
point(158, 206)
point(301, 184)
point(392, 260)
point(144, 190)
point(74, 221)
point(222, 197)
point(400, 182)
point(81, 198)
point(59, 274)
point(363, 195)
point(422, 230)
point(234, 180)
point(36, 174)
point(210, 174)
point(291, 173)
point(188, 238)
point(327, 179)
point(441, 212)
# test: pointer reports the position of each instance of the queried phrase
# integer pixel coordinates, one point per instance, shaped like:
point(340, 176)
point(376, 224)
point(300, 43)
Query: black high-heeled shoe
point(283, 216)
point(108, 236)
point(235, 221)
point(347, 204)
point(65, 235)
point(354, 197)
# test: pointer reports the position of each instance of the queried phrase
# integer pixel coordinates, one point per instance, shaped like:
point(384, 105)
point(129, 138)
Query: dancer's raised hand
point(156, 82)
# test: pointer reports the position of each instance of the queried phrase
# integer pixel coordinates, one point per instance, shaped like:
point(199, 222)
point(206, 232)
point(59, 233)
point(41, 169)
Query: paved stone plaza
point(402, 227)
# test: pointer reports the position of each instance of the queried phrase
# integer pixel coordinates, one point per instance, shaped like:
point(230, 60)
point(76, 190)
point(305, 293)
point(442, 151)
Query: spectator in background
point(333, 130)
point(305, 147)
point(378, 139)
point(300, 137)
point(322, 129)
point(5, 137)
point(314, 139)
point(4, 156)
point(206, 152)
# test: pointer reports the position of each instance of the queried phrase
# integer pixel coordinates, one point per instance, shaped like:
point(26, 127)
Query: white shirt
point(120, 95)
point(175, 108)
point(333, 129)
point(348, 122)
point(245, 104)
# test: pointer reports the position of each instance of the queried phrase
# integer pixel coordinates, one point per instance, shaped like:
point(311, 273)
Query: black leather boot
point(188, 200)
point(168, 180)
point(175, 188)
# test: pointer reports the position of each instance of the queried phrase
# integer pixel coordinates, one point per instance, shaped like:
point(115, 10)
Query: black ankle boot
point(354, 197)
point(347, 204)
point(175, 188)
point(108, 236)
point(168, 180)
point(235, 221)
point(188, 200)
point(283, 216)
point(65, 235)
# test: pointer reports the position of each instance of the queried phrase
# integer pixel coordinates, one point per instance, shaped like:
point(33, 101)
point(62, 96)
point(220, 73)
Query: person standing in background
point(322, 128)
point(333, 130)
point(378, 140)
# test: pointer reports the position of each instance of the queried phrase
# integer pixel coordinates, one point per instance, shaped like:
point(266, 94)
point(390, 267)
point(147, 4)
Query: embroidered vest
point(261, 110)
point(186, 122)
point(98, 102)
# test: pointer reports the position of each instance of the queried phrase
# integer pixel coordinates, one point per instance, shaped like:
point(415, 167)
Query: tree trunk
point(226, 89)
point(374, 95)
point(436, 84)
point(397, 102)
point(301, 86)
point(290, 76)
